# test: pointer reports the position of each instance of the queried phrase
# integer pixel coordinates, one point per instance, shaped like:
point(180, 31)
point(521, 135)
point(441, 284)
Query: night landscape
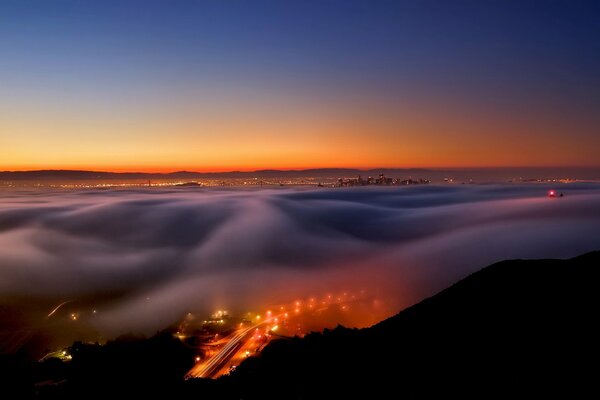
point(299, 199)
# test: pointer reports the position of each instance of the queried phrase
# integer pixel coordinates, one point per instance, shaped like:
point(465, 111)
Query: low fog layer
point(143, 258)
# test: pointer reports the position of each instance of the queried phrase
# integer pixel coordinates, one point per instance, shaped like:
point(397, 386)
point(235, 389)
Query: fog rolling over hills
point(138, 260)
point(143, 258)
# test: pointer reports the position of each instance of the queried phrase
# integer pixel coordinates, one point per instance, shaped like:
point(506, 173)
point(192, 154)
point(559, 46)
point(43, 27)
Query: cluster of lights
point(264, 325)
point(214, 321)
point(310, 304)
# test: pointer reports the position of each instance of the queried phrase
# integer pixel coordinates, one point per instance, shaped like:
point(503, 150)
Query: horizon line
point(223, 171)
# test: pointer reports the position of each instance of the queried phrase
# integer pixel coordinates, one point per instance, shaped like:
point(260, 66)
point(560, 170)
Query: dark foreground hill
point(516, 329)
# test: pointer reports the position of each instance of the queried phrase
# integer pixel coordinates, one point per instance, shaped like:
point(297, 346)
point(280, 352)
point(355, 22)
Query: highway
point(231, 350)
point(209, 367)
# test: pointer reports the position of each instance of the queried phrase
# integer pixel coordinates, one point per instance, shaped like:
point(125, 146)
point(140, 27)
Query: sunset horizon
point(200, 87)
point(149, 170)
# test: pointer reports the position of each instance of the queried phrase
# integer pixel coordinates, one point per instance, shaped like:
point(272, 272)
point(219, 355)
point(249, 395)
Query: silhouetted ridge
point(465, 174)
point(508, 283)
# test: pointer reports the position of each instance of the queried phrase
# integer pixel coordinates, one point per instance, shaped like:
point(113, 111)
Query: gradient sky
point(238, 84)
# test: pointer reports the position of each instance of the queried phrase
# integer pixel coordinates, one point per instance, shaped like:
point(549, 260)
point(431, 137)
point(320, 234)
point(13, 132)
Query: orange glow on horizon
point(224, 169)
point(317, 136)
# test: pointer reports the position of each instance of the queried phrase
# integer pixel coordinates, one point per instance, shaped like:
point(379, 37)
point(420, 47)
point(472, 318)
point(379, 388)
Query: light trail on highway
point(206, 369)
point(57, 308)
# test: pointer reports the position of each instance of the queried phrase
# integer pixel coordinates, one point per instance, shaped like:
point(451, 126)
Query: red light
point(552, 193)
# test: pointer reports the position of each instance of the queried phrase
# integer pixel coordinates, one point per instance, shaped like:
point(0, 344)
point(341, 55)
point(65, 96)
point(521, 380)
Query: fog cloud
point(143, 257)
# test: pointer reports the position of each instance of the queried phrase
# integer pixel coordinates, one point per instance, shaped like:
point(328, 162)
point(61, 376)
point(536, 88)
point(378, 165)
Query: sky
point(243, 85)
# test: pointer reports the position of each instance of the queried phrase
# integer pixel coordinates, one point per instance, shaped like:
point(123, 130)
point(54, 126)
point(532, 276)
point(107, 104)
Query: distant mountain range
point(265, 173)
point(520, 329)
point(464, 174)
